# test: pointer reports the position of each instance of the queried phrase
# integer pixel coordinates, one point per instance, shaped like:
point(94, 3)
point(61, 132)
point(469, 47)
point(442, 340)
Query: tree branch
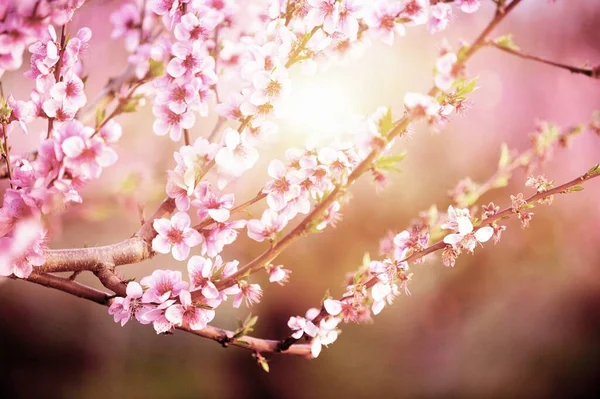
point(224, 337)
point(506, 213)
point(132, 250)
point(593, 72)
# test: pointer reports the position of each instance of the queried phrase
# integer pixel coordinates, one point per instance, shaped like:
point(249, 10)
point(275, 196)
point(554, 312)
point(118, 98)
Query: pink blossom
point(24, 250)
point(188, 59)
point(111, 132)
point(277, 274)
point(327, 333)
point(85, 155)
point(332, 306)
point(249, 293)
point(186, 313)
point(126, 23)
point(219, 235)
point(302, 325)
point(75, 47)
point(69, 91)
point(445, 71)
point(468, 6)
point(22, 112)
point(209, 203)
point(270, 86)
point(162, 285)
point(200, 271)
point(236, 156)
point(175, 236)
point(123, 308)
point(459, 220)
point(193, 27)
point(171, 122)
point(284, 186)
point(439, 17)
point(323, 12)
point(267, 227)
point(381, 20)
point(421, 105)
point(349, 13)
point(192, 160)
point(179, 96)
point(331, 216)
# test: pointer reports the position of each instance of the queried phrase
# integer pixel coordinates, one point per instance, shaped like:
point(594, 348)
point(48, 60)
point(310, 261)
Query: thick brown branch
point(132, 250)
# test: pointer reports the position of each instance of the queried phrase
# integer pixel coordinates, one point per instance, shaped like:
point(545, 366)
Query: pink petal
point(484, 234)
point(73, 146)
point(161, 244)
point(180, 251)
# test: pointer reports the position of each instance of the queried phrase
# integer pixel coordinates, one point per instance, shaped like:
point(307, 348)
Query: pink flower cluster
point(202, 35)
point(70, 155)
point(24, 22)
point(166, 300)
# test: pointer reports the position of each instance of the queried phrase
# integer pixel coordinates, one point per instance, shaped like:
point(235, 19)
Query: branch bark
point(592, 72)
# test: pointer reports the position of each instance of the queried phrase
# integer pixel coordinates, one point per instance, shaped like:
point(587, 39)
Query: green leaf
point(506, 41)
point(100, 115)
point(390, 162)
point(462, 52)
point(502, 180)
point(595, 170)
point(156, 69)
point(573, 189)
point(386, 123)
point(505, 157)
point(464, 87)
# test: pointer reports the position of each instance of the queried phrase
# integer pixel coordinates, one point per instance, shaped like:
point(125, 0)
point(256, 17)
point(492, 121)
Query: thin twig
point(593, 72)
point(506, 213)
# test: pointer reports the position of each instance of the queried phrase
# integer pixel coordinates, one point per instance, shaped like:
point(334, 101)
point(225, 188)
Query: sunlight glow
point(318, 109)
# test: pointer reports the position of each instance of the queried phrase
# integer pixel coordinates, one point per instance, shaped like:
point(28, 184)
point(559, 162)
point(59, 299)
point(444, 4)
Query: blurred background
point(518, 319)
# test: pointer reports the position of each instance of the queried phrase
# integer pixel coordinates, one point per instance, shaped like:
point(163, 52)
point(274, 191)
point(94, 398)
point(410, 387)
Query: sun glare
point(318, 109)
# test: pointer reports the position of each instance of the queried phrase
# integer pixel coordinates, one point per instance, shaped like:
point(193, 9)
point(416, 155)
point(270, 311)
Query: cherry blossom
point(325, 13)
point(211, 204)
point(250, 294)
point(381, 19)
point(236, 156)
point(175, 236)
point(277, 274)
point(283, 188)
point(459, 220)
point(267, 227)
point(186, 313)
point(421, 105)
point(468, 6)
point(162, 285)
point(168, 121)
point(201, 270)
point(24, 250)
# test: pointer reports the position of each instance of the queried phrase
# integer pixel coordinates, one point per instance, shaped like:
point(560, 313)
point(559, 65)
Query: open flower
point(175, 236)
point(284, 186)
point(236, 156)
point(459, 220)
point(267, 227)
point(162, 285)
point(186, 313)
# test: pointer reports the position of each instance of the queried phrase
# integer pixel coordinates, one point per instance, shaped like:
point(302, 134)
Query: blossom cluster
point(70, 154)
point(183, 51)
point(377, 283)
point(23, 23)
